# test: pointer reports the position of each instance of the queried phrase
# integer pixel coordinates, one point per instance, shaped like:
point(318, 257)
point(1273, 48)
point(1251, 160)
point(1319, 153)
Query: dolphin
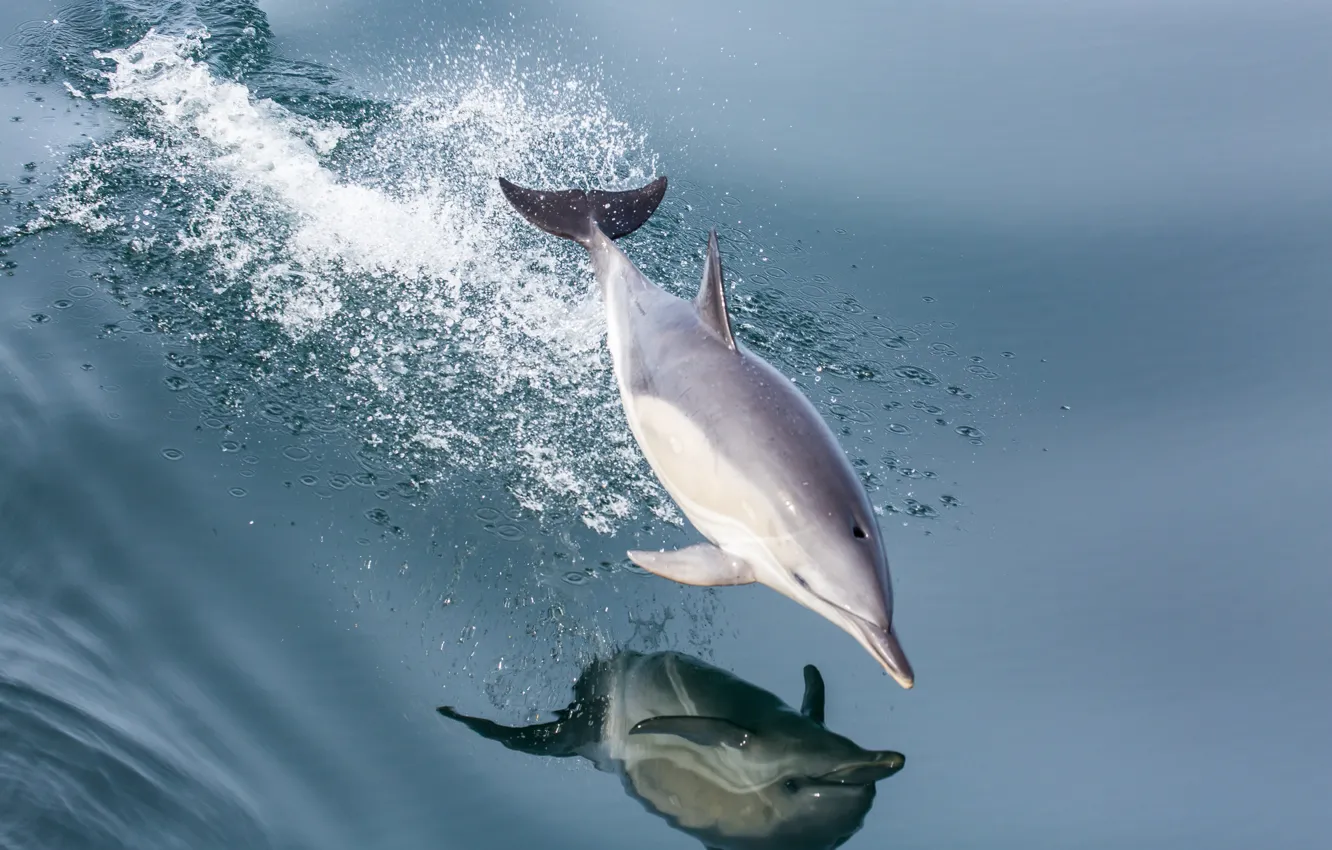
point(739, 448)
point(720, 759)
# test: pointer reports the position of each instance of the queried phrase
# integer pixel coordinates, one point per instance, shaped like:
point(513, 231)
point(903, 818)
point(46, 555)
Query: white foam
point(475, 338)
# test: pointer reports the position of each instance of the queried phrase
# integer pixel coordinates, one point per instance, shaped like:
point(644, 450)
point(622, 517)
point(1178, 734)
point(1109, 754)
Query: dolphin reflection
point(720, 759)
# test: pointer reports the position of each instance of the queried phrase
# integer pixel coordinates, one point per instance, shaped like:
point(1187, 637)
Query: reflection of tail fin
point(576, 214)
point(576, 728)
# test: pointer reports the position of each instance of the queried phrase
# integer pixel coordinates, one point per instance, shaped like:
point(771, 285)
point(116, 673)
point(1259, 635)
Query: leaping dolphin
point(744, 454)
point(717, 757)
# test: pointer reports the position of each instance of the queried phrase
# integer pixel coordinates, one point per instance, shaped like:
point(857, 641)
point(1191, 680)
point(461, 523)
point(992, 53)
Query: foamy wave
point(462, 336)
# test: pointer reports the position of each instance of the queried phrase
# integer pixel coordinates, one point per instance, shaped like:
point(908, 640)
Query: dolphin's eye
point(859, 532)
point(791, 785)
point(800, 580)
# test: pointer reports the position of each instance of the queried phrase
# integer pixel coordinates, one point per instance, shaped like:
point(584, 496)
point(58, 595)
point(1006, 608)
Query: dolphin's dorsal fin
point(812, 705)
point(711, 299)
point(704, 731)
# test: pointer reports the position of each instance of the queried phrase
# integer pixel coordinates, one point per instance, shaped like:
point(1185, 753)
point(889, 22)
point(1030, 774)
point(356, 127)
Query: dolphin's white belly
point(722, 502)
point(700, 787)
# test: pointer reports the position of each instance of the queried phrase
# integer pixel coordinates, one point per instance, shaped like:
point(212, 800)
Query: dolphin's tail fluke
point(576, 214)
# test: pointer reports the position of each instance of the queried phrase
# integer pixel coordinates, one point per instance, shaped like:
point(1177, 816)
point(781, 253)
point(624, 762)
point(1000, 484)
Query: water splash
point(385, 256)
point(346, 264)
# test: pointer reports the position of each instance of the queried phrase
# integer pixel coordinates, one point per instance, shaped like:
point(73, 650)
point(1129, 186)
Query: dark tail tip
point(575, 214)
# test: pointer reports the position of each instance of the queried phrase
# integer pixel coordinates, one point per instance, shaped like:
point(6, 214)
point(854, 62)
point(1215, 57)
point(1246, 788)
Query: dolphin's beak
point(876, 766)
point(882, 644)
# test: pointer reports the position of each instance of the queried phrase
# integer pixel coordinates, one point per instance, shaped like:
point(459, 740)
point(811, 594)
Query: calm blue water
point(305, 434)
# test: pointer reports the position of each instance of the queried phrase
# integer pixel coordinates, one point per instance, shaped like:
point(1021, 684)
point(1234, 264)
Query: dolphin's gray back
point(752, 416)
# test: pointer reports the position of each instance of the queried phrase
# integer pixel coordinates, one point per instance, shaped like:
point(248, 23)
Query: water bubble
point(575, 578)
point(238, 492)
point(920, 509)
point(309, 480)
point(489, 515)
point(950, 501)
point(296, 453)
point(916, 375)
point(899, 428)
point(509, 532)
point(847, 414)
point(172, 454)
point(378, 516)
point(969, 431)
point(230, 446)
point(175, 383)
point(40, 318)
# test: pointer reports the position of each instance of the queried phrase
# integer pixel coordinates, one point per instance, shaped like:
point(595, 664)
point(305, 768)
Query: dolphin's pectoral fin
point(575, 729)
point(702, 564)
point(704, 731)
point(812, 705)
point(711, 299)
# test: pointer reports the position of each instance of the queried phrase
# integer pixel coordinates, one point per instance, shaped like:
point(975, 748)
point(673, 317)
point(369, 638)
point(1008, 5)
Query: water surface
point(305, 434)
